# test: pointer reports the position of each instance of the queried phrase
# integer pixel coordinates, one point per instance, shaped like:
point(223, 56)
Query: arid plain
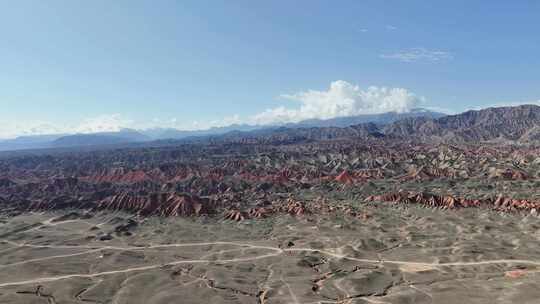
point(397, 255)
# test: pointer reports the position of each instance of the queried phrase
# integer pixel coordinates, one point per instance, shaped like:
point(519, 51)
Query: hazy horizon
point(100, 66)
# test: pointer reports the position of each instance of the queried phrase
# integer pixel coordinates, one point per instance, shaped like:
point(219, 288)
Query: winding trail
point(382, 261)
point(291, 292)
point(275, 251)
point(50, 258)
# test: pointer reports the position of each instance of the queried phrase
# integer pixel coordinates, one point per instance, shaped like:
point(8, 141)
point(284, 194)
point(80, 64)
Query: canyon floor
point(398, 254)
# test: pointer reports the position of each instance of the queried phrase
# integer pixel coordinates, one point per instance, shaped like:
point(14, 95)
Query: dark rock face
point(6, 182)
point(521, 123)
point(104, 138)
point(302, 135)
point(511, 123)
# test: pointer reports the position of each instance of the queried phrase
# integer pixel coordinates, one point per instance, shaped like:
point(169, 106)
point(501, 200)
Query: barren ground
point(403, 254)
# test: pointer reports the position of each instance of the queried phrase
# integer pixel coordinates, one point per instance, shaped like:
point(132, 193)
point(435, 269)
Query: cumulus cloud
point(191, 125)
point(227, 121)
point(341, 99)
point(103, 123)
point(417, 54)
point(108, 123)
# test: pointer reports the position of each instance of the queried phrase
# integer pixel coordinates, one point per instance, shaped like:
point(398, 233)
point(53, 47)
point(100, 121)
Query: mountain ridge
point(517, 124)
point(510, 123)
point(162, 134)
point(102, 138)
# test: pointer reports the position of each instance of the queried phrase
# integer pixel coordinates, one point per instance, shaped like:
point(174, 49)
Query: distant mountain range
point(75, 140)
point(103, 138)
point(520, 124)
point(379, 119)
point(125, 136)
point(339, 122)
point(170, 133)
point(29, 142)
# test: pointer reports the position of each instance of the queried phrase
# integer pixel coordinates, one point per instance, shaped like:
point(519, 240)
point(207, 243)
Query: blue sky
point(95, 65)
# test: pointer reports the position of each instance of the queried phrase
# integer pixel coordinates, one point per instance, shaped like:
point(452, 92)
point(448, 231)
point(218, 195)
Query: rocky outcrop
point(344, 178)
point(500, 203)
point(291, 207)
point(63, 202)
point(366, 174)
point(513, 174)
point(160, 204)
point(236, 215)
point(118, 175)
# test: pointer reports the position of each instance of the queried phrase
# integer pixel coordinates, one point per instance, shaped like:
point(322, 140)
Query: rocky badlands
point(311, 221)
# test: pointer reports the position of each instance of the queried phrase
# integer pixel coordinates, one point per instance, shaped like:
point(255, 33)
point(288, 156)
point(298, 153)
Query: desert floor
point(396, 255)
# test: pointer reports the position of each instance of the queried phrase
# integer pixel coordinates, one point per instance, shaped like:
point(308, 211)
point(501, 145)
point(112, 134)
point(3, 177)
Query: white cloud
point(227, 121)
point(341, 99)
point(443, 110)
point(190, 125)
point(416, 54)
point(391, 27)
point(103, 123)
point(107, 123)
point(10, 129)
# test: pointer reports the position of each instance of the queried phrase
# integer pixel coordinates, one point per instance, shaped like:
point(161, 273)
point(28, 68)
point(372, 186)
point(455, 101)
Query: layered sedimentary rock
point(499, 203)
point(260, 180)
point(162, 204)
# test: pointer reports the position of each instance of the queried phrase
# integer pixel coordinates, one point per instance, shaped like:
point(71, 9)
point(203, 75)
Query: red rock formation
point(369, 174)
point(431, 200)
point(512, 174)
point(344, 178)
point(291, 207)
point(514, 274)
point(119, 175)
point(259, 212)
point(427, 173)
point(183, 205)
point(284, 176)
point(60, 202)
point(236, 215)
point(162, 204)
